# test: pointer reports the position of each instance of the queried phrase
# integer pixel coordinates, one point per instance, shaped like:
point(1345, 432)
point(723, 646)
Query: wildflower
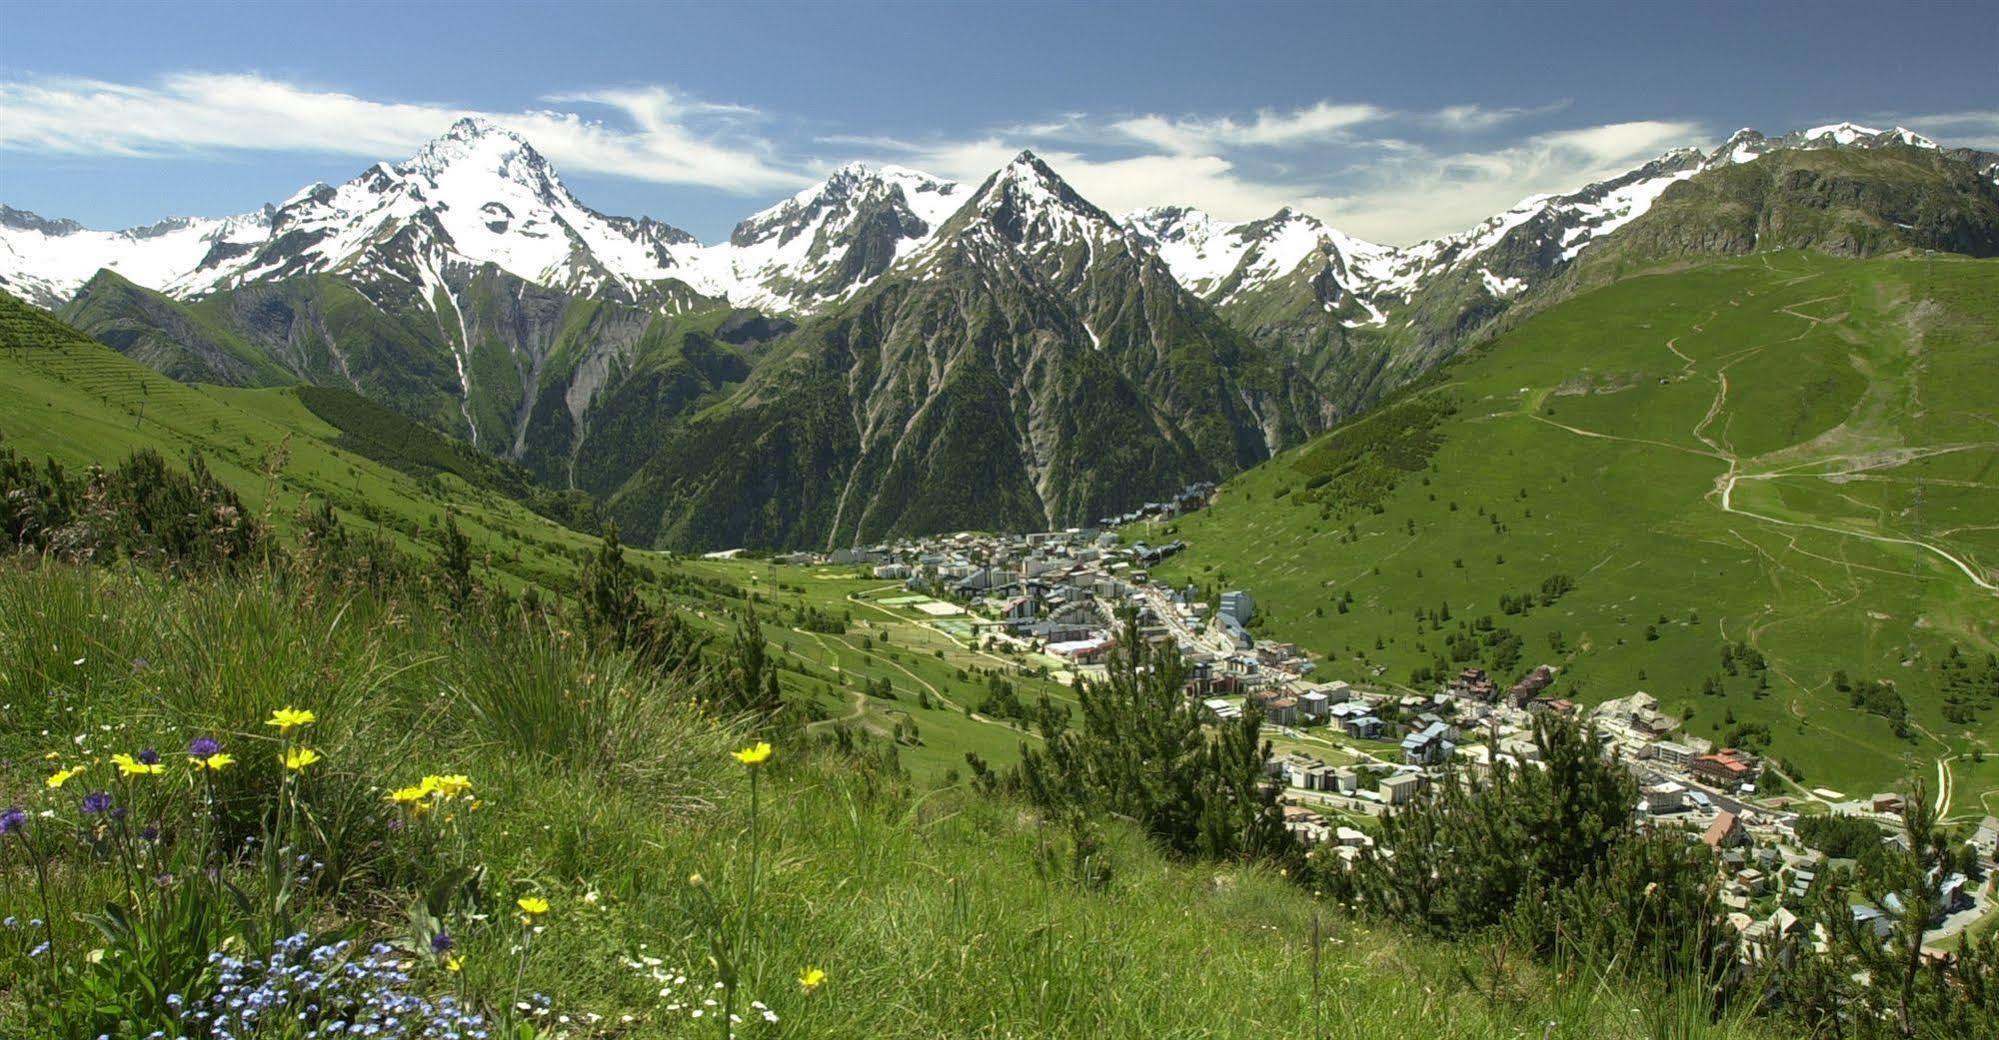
point(13, 820)
point(694, 881)
point(96, 802)
point(216, 762)
point(409, 796)
point(441, 943)
point(129, 766)
point(533, 906)
point(296, 759)
point(63, 776)
point(448, 786)
point(454, 965)
point(754, 755)
point(288, 719)
point(811, 979)
point(149, 757)
point(201, 747)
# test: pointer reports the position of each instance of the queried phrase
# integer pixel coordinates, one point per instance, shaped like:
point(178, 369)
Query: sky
point(1392, 122)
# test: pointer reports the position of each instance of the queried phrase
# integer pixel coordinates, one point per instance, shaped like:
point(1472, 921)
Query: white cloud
point(1334, 160)
point(1418, 194)
point(1970, 129)
point(1474, 118)
point(676, 140)
point(1184, 135)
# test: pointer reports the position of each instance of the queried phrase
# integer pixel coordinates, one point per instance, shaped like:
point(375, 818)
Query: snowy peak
point(477, 194)
point(831, 239)
point(1029, 206)
point(47, 261)
point(1747, 145)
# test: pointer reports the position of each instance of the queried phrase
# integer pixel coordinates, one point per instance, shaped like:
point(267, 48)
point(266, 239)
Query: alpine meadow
point(1344, 538)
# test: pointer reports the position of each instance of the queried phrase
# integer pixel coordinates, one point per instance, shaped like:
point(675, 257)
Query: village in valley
point(1346, 750)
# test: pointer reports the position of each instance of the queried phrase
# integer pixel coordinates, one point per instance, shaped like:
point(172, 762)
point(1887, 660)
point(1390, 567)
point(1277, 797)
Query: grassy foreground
point(602, 789)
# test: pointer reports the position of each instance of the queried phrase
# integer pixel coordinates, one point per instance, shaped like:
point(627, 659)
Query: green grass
point(1857, 418)
point(603, 788)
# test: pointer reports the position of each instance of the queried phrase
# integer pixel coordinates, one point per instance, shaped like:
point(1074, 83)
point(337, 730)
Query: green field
point(1789, 452)
point(80, 403)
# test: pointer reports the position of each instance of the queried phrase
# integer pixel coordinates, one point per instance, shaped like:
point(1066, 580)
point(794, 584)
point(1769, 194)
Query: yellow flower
point(453, 964)
point(296, 759)
point(408, 795)
point(214, 763)
point(129, 766)
point(63, 776)
point(754, 755)
point(288, 719)
point(811, 979)
point(533, 906)
point(448, 786)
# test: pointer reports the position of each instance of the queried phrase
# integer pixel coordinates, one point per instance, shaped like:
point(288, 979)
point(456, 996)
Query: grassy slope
point(1857, 409)
point(80, 402)
point(925, 906)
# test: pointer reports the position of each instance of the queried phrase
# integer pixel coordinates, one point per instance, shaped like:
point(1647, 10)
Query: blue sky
point(1393, 122)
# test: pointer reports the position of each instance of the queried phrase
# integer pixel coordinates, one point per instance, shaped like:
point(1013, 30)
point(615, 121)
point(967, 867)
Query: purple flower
point(150, 833)
point(149, 757)
point(13, 820)
point(96, 802)
point(202, 747)
point(440, 943)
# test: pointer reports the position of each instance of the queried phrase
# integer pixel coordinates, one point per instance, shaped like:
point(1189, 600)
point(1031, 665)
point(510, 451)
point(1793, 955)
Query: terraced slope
point(1789, 456)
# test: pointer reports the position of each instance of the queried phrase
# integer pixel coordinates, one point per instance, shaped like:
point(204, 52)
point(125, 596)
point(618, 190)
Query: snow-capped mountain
point(1224, 263)
point(478, 194)
point(826, 242)
point(481, 194)
point(46, 261)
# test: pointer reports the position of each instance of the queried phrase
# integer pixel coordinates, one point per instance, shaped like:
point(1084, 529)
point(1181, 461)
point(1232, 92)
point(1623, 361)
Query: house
point(1887, 804)
point(1728, 769)
point(1281, 711)
point(1672, 754)
point(1985, 840)
point(1428, 746)
point(1401, 788)
point(1083, 651)
point(1665, 797)
point(1474, 684)
point(1344, 781)
point(1314, 707)
point(1725, 832)
point(1529, 688)
point(1238, 605)
point(1365, 727)
point(1223, 709)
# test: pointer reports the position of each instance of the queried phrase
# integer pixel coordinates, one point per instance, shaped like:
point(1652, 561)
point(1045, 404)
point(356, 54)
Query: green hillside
point(1784, 459)
point(854, 661)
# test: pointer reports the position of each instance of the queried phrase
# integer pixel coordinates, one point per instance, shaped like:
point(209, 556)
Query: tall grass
point(602, 788)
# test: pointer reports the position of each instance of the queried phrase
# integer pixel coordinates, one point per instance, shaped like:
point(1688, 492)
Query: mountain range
point(888, 352)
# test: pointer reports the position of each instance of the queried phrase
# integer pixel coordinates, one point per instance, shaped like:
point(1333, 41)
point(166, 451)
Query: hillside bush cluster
point(1552, 855)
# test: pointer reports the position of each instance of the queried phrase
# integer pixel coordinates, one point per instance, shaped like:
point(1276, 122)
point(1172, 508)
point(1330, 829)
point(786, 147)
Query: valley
point(1781, 452)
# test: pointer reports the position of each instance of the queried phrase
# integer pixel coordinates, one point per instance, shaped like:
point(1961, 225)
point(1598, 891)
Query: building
point(1725, 832)
point(1401, 788)
point(1364, 727)
point(1672, 754)
point(1985, 840)
point(1728, 769)
point(1428, 746)
point(1238, 605)
point(1666, 797)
